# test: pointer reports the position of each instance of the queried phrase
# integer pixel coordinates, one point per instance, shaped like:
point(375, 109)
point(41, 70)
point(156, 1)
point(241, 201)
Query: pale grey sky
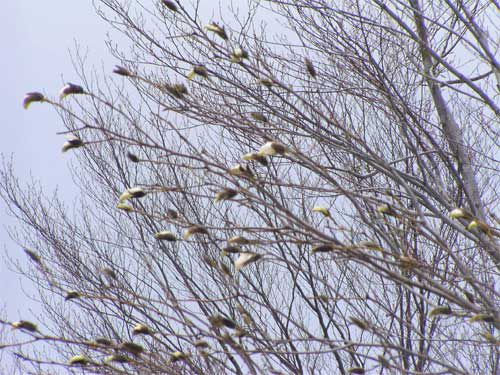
point(36, 38)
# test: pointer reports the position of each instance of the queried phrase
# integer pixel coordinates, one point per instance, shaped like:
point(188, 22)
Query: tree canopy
point(273, 187)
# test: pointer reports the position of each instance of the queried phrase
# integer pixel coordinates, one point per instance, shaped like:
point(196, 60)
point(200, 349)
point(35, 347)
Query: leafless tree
point(303, 187)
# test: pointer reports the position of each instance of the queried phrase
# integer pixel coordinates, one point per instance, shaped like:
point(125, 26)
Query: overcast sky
point(36, 39)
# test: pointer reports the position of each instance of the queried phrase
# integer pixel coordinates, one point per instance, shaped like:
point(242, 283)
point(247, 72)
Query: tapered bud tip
point(238, 55)
point(272, 149)
point(103, 341)
point(267, 82)
point(141, 329)
point(32, 255)
point(165, 236)
point(219, 321)
point(178, 356)
point(71, 89)
point(458, 213)
point(125, 207)
point(360, 323)
point(201, 344)
point(177, 90)
point(25, 325)
point(132, 348)
point(216, 29)
point(72, 142)
point(240, 170)
point(440, 310)
point(322, 210)
point(32, 97)
point(473, 224)
point(118, 358)
point(72, 294)
point(121, 71)
point(369, 245)
point(323, 248)
point(257, 116)
point(255, 156)
point(136, 192)
point(79, 360)
point(225, 194)
point(172, 214)
point(198, 70)
point(310, 67)
point(386, 209)
point(356, 370)
point(195, 229)
point(132, 157)
point(238, 240)
point(245, 259)
point(482, 317)
point(170, 5)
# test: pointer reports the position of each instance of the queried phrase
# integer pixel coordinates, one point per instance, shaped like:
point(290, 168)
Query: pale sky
point(36, 39)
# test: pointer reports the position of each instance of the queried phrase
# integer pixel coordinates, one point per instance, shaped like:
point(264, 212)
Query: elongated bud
point(219, 321)
point(103, 341)
point(225, 194)
point(125, 207)
point(79, 360)
point(238, 55)
point(108, 272)
point(356, 370)
point(25, 325)
point(141, 329)
point(165, 235)
point(177, 90)
point(132, 348)
point(178, 356)
point(486, 318)
point(360, 323)
point(117, 358)
point(310, 67)
point(460, 213)
point(241, 170)
point(322, 210)
point(33, 256)
point(72, 294)
point(255, 156)
point(195, 229)
point(483, 227)
point(245, 259)
point(386, 209)
point(272, 149)
point(132, 157)
point(201, 344)
point(71, 89)
point(198, 70)
point(407, 263)
point(238, 240)
point(72, 142)
point(325, 248)
point(232, 250)
point(216, 29)
point(267, 82)
point(32, 97)
point(257, 116)
point(170, 5)
point(172, 214)
point(121, 71)
point(370, 245)
point(136, 192)
point(440, 310)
